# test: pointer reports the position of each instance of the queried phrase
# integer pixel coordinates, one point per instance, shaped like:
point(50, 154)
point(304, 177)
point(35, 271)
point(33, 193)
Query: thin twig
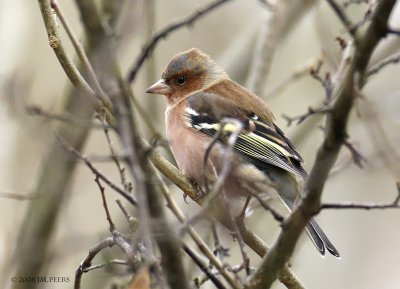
point(74, 120)
point(37, 110)
point(18, 197)
point(127, 186)
point(343, 17)
point(124, 243)
point(326, 82)
point(357, 157)
point(363, 206)
point(71, 149)
point(228, 153)
point(108, 263)
point(108, 242)
point(278, 217)
point(393, 31)
point(245, 259)
point(217, 137)
point(203, 267)
point(65, 60)
point(100, 94)
point(267, 5)
point(219, 250)
point(103, 196)
point(300, 72)
point(133, 223)
point(393, 59)
point(366, 206)
point(344, 63)
point(94, 158)
point(163, 33)
point(352, 2)
point(302, 117)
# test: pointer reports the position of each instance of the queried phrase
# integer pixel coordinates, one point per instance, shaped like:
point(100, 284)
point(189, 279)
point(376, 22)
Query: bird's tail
point(319, 239)
point(287, 187)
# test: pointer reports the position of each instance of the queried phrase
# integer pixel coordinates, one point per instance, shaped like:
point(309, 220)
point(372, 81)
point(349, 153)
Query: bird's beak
point(160, 87)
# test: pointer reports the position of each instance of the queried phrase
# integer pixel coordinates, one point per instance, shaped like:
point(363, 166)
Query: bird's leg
point(199, 191)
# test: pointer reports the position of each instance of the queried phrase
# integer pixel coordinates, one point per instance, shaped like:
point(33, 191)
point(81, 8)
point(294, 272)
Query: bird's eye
point(180, 80)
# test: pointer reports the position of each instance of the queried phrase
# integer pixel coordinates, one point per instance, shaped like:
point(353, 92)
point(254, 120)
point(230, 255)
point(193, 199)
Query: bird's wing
point(260, 143)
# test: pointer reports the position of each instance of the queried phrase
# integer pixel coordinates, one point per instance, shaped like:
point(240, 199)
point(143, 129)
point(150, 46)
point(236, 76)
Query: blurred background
point(299, 38)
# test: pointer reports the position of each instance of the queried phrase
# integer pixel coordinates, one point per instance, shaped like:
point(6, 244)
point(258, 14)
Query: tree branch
point(97, 173)
point(366, 206)
point(344, 93)
point(351, 29)
point(109, 242)
point(393, 59)
point(55, 42)
point(99, 92)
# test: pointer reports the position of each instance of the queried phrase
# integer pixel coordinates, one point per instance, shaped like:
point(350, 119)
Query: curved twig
point(187, 21)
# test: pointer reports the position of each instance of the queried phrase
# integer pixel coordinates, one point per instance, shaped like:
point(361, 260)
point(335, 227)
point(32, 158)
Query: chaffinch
point(199, 96)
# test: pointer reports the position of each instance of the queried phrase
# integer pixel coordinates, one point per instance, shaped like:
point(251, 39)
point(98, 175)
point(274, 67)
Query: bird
point(200, 97)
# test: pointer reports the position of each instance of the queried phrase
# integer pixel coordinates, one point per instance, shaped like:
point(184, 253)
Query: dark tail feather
point(315, 238)
point(319, 239)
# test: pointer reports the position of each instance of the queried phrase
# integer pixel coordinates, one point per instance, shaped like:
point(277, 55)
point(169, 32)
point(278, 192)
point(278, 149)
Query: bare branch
point(343, 17)
point(108, 263)
point(300, 72)
point(133, 223)
point(203, 267)
point(351, 2)
point(353, 81)
point(107, 243)
point(18, 197)
point(357, 157)
point(127, 186)
point(302, 117)
point(71, 149)
point(326, 82)
point(366, 206)
point(100, 94)
point(35, 110)
point(393, 31)
point(278, 217)
point(393, 59)
point(102, 189)
point(363, 206)
point(65, 60)
point(163, 33)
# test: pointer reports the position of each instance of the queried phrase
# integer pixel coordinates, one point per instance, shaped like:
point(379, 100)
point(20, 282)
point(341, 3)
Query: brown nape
point(241, 97)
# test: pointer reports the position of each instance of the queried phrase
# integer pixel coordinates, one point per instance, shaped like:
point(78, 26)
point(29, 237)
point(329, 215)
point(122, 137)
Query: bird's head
point(187, 72)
